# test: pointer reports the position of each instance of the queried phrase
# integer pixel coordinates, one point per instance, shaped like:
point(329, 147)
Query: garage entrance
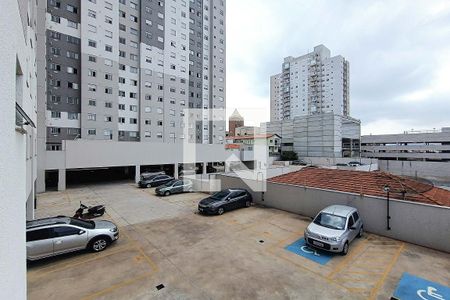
point(76, 177)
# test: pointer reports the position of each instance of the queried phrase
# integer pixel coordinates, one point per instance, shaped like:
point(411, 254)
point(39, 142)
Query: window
point(122, 107)
point(350, 222)
point(92, 87)
point(108, 5)
point(108, 76)
point(72, 9)
point(133, 18)
point(121, 120)
point(92, 132)
point(355, 216)
point(108, 62)
point(108, 104)
point(72, 116)
point(39, 234)
point(133, 121)
point(72, 24)
point(108, 34)
point(92, 43)
point(56, 19)
point(55, 130)
point(92, 58)
point(56, 114)
point(92, 73)
point(108, 48)
point(108, 119)
point(108, 90)
point(92, 14)
point(92, 102)
point(133, 107)
point(92, 117)
point(108, 20)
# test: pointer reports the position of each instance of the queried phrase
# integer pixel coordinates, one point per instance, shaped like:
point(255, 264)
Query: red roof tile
point(367, 183)
point(232, 146)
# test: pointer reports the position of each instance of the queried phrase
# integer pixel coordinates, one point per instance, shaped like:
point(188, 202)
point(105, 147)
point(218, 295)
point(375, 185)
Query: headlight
point(114, 229)
point(335, 239)
point(306, 231)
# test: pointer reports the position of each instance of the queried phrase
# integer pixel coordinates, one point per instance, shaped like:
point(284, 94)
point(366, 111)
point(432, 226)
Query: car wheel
point(220, 211)
point(248, 203)
point(167, 193)
point(361, 232)
point(98, 244)
point(149, 185)
point(345, 249)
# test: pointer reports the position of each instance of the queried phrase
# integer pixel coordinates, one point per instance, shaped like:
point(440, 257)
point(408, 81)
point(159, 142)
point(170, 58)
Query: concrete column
point(205, 165)
point(137, 175)
point(227, 167)
point(61, 179)
point(175, 171)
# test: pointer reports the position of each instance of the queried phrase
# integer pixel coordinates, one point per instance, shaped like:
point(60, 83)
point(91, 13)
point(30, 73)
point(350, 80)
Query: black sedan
point(154, 180)
point(225, 200)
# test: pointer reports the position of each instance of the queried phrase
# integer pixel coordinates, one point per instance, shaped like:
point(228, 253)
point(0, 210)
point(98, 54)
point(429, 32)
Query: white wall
point(17, 165)
point(439, 171)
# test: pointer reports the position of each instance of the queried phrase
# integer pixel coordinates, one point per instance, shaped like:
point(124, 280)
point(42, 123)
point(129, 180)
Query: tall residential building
point(18, 23)
point(126, 70)
point(313, 83)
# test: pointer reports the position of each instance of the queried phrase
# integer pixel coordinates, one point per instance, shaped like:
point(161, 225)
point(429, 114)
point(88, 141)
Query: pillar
point(205, 165)
point(61, 179)
point(137, 174)
point(227, 167)
point(175, 171)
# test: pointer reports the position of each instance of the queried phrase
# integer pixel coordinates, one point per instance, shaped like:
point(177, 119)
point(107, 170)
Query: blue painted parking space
point(299, 247)
point(412, 287)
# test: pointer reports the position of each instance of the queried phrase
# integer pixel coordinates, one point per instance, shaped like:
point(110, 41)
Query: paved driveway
point(238, 255)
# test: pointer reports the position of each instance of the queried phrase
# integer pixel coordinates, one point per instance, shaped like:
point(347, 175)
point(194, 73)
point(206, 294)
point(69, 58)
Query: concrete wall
point(420, 224)
point(92, 154)
point(439, 171)
point(17, 145)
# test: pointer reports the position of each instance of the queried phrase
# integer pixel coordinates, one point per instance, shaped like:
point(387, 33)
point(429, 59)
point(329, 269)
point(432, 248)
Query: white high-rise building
point(313, 83)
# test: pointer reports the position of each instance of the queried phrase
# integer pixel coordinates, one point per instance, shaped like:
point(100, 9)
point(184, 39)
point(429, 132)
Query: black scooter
point(92, 211)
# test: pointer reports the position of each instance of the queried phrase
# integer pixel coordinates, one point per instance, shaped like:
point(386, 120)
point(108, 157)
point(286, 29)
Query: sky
point(399, 54)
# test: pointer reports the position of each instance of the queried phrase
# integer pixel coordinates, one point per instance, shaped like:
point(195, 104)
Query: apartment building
point(313, 83)
point(127, 70)
point(18, 84)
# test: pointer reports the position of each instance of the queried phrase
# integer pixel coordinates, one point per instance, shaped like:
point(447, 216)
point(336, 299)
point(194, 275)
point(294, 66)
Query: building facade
point(131, 71)
point(310, 84)
point(417, 145)
point(319, 135)
point(126, 70)
point(18, 84)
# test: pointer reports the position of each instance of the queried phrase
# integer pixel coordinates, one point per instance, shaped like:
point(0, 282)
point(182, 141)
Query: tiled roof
point(232, 146)
point(367, 183)
point(251, 137)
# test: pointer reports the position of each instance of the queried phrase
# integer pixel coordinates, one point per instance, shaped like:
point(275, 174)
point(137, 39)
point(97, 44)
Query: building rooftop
point(236, 116)
point(252, 137)
point(367, 183)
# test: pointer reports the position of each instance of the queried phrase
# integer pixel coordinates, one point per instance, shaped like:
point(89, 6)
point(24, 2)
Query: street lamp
point(387, 189)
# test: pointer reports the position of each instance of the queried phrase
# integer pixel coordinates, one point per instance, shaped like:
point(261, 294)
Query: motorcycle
point(92, 211)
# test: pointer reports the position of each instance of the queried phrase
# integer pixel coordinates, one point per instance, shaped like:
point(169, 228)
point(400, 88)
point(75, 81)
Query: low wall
point(421, 224)
point(439, 171)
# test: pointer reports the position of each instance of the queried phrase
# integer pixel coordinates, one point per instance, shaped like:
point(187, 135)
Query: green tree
point(289, 156)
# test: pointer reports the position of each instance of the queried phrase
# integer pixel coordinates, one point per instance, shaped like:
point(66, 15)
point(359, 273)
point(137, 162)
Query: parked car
point(174, 187)
point(354, 164)
point(57, 235)
point(147, 174)
point(154, 180)
point(225, 200)
point(299, 162)
point(334, 228)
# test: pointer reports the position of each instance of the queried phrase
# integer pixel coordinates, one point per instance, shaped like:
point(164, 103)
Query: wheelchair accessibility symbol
point(412, 287)
point(300, 248)
point(309, 250)
point(429, 294)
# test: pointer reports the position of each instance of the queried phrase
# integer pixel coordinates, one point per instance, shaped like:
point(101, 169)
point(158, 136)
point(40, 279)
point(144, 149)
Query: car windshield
point(170, 183)
point(330, 221)
point(82, 223)
point(220, 195)
point(148, 177)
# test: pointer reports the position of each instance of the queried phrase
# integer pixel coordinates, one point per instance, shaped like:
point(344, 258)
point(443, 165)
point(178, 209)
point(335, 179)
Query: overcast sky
point(399, 54)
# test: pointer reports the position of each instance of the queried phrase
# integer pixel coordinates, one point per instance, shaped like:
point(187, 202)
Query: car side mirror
point(312, 218)
point(81, 232)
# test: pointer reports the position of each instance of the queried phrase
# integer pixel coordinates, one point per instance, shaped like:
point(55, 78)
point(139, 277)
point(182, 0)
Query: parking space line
point(116, 286)
point(347, 259)
point(76, 263)
point(386, 272)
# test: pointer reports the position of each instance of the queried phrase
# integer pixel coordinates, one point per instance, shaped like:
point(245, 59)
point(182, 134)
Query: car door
point(351, 232)
point(157, 180)
point(235, 201)
point(178, 187)
point(39, 243)
point(69, 238)
point(358, 221)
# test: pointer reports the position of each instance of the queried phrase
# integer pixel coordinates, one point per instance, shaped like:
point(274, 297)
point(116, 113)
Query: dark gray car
point(58, 235)
point(225, 200)
point(175, 186)
point(154, 180)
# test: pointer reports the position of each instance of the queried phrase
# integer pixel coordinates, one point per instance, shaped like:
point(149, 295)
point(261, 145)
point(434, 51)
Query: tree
point(288, 156)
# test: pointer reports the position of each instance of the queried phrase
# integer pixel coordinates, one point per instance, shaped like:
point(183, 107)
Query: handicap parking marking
point(412, 287)
point(300, 247)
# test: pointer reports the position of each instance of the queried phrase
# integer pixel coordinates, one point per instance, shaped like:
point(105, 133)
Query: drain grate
point(160, 286)
point(261, 241)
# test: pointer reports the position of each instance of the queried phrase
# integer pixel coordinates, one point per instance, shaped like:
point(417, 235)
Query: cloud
point(399, 53)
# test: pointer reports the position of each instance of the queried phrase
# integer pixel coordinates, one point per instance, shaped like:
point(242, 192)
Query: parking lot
point(167, 250)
